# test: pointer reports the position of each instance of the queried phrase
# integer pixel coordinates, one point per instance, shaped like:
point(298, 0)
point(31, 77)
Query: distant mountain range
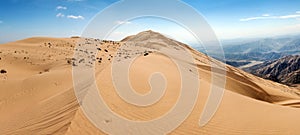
point(276, 59)
point(240, 54)
point(262, 50)
point(285, 70)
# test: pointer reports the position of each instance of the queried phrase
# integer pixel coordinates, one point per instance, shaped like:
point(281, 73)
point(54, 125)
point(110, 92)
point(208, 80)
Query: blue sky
point(229, 18)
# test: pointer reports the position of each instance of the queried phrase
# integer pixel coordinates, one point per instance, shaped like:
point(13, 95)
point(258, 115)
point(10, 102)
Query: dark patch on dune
point(2, 71)
point(146, 54)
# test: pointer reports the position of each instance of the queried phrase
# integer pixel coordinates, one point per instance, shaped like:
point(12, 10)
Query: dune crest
point(37, 94)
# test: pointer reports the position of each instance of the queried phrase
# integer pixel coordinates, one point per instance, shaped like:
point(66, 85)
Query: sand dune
point(37, 94)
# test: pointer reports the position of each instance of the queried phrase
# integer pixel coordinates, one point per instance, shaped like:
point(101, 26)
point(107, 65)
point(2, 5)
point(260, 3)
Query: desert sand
point(37, 94)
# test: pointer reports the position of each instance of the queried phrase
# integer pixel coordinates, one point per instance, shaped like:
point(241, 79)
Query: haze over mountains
point(262, 50)
point(258, 51)
point(37, 94)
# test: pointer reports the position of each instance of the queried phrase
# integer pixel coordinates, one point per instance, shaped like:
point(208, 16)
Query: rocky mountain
point(285, 70)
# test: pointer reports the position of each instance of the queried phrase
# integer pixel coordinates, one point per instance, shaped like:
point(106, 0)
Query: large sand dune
point(37, 94)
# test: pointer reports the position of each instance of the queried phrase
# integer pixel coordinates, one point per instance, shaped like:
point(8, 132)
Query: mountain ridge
point(285, 70)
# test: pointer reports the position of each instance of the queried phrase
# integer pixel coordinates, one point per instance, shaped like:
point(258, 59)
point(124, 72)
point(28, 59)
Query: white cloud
point(254, 18)
point(289, 16)
point(123, 22)
point(75, 17)
point(267, 16)
point(61, 8)
point(60, 15)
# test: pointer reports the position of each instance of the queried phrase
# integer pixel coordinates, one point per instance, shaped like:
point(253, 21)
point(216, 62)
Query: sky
point(230, 19)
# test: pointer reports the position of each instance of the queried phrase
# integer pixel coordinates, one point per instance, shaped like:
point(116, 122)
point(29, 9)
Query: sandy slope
point(37, 96)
